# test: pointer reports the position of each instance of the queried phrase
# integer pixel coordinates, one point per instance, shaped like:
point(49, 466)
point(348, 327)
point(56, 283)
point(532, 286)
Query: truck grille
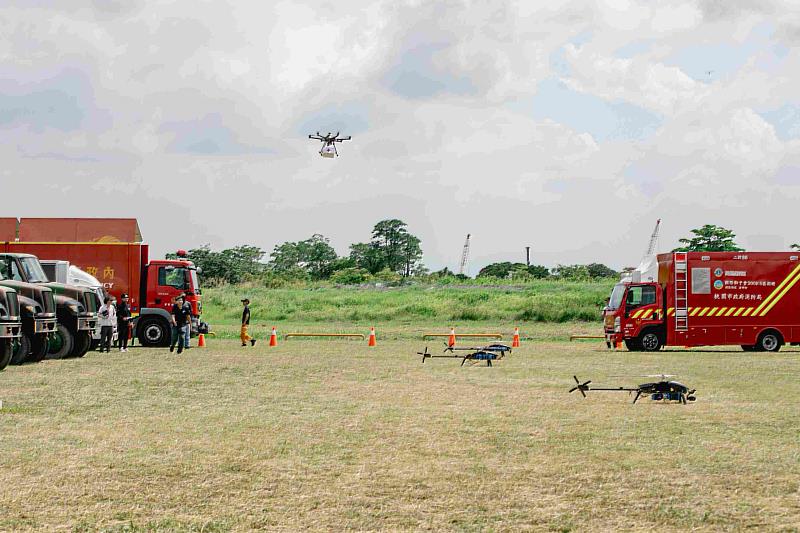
point(90, 301)
point(48, 302)
point(13, 303)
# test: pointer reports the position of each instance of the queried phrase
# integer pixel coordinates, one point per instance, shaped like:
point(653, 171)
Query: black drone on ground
point(663, 390)
point(329, 143)
point(492, 352)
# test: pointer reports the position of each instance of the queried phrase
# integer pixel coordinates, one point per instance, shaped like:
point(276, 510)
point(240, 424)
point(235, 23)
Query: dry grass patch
point(334, 435)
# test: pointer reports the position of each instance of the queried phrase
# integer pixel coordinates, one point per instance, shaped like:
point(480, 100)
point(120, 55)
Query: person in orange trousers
point(245, 324)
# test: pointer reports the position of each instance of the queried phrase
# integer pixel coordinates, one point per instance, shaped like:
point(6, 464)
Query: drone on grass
point(329, 143)
point(663, 390)
point(492, 352)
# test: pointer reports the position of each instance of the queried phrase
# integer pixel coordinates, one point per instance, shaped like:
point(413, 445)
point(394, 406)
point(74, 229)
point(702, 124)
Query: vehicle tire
point(22, 350)
point(40, 345)
point(769, 341)
point(650, 341)
point(633, 345)
point(60, 343)
point(80, 345)
point(748, 348)
point(153, 332)
point(6, 351)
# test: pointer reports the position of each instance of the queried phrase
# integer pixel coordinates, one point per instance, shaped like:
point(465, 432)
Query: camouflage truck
point(10, 324)
point(37, 310)
point(76, 307)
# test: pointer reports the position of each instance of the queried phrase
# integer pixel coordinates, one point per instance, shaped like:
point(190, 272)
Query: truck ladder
point(681, 291)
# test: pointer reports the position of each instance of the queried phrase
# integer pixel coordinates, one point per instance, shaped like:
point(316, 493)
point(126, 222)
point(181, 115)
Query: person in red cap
point(123, 320)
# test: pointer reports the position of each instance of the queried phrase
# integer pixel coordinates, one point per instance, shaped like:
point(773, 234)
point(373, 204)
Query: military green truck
point(38, 314)
point(10, 324)
point(76, 307)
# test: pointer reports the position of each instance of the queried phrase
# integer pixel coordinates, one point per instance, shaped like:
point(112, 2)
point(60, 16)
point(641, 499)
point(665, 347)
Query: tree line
point(393, 254)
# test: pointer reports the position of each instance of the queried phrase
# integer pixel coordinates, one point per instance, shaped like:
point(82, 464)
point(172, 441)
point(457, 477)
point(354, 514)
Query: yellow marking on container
point(670, 311)
point(778, 289)
point(738, 311)
point(721, 311)
point(695, 310)
point(748, 311)
point(703, 311)
point(731, 310)
point(780, 296)
point(713, 311)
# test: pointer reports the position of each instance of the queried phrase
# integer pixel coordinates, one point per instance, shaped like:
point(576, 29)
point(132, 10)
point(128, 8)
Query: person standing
point(107, 318)
point(180, 315)
point(246, 324)
point(187, 335)
point(123, 321)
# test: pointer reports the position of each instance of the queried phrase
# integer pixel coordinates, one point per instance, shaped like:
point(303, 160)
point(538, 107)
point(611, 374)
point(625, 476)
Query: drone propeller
point(582, 387)
point(424, 354)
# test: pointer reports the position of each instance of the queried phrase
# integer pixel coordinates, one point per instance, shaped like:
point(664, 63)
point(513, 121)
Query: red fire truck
point(749, 299)
point(111, 250)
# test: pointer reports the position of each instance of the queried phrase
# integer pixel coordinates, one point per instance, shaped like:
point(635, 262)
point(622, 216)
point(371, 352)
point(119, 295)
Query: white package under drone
point(327, 151)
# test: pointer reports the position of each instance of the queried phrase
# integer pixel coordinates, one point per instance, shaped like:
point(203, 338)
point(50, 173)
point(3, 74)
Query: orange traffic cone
point(273, 339)
point(515, 340)
point(451, 340)
point(201, 341)
point(372, 340)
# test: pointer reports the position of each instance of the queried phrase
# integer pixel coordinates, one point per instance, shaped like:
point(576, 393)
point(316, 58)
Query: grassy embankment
point(576, 305)
point(332, 435)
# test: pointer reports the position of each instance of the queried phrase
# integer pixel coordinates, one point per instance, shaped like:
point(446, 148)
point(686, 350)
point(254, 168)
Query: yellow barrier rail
point(351, 335)
point(465, 335)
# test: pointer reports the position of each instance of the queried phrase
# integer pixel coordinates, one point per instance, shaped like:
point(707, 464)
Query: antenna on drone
point(653, 244)
point(464, 256)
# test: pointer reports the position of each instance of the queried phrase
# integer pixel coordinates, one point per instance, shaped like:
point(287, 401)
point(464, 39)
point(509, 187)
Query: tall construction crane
point(464, 256)
point(653, 244)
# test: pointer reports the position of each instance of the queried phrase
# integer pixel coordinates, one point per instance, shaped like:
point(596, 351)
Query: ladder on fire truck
point(681, 291)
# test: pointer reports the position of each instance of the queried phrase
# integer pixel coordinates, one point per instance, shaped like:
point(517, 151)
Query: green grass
point(332, 435)
point(539, 301)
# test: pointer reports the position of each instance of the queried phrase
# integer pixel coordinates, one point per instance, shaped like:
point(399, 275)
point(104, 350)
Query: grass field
point(332, 435)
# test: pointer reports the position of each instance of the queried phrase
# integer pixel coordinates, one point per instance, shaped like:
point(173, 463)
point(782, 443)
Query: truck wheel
point(769, 341)
point(80, 345)
point(22, 350)
point(6, 351)
point(39, 347)
point(60, 343)
point(153, 332)
point(633, 345)
point(650, 342)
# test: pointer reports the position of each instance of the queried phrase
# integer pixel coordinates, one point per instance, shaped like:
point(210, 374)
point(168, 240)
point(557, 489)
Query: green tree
point(710, 238)
point(412, 255)
point(500, 270)
point(367, 256)
point(598, 270)
point(314, 256)
point(539, 271)
point(232, 265)
point(795, 247)
point(572, 272)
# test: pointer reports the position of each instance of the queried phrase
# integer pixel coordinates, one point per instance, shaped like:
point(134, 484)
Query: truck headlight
point(617, 325)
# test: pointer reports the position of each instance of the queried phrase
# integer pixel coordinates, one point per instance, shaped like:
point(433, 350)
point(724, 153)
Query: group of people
point(110, 314)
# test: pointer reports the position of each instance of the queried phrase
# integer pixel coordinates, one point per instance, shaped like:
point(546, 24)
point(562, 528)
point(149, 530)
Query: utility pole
point(464, 256)
point(528, 255)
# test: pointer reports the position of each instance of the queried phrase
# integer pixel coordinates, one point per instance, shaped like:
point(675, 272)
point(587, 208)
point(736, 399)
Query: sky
point(566, 126)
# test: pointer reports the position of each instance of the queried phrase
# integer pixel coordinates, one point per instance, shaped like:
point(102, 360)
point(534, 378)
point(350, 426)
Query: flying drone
point(329, 143)
point(663, 390)
point(492, 352)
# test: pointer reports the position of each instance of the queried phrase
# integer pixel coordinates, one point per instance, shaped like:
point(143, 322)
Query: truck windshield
point(616, 296)
point(33, 270)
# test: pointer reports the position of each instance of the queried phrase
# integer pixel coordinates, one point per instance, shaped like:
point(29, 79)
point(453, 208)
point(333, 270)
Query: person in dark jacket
point(246, 324)
point(181, 317)
point(123, 322)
